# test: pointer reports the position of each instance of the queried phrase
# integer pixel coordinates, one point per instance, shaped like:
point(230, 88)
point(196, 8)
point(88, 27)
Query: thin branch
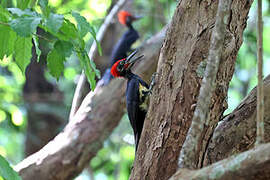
point(252, 164)
point(92, 53)
point(260, 99)
point(42, 37)
point(189, 153)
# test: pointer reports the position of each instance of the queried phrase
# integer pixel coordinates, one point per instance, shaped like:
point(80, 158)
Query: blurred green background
point(114, 161)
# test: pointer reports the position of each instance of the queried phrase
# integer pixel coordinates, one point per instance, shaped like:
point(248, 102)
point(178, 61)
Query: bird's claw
point(153, 82)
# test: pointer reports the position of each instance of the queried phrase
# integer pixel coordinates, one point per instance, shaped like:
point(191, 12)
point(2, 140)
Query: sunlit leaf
point(67, 31)
point(82, 24)
point(54, 22)
point(6, 171)
point(19, 12)
point(7, 39)
point(23, 48)
point(89, 73)
point(93, 33)
point(25, 26)
point(44, 7)
point(22, 4)
point(93, 65)
point(64, 48)
point(55, 63)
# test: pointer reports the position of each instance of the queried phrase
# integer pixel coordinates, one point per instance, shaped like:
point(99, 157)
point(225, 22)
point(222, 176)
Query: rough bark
point(175, 94)
point(69, 152)
point(190, 151)
point(237, 131)
point(250, 165)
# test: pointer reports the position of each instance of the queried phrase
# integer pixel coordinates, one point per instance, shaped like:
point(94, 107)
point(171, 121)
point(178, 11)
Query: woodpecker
point(137, 93)
point(123, 45)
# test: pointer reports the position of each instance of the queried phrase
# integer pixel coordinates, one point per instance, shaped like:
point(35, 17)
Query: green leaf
point(94, 35)
point(19, 12)
point(25, 26)
point(54, 22)
point(43, 3)
point(4, 14)
point(64, 48)
point(38, 51)
point(82, 24)
point(55, 63)
point(23, 49)
point(57, 56)
point(44, 7)
point(22, 4)
point(6, 171)
point(93, 65)
point(7, 40)
point(67, 31)
point(89, 73)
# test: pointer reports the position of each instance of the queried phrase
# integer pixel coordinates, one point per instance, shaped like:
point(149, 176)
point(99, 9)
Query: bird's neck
point(129, 75)
point(129, 26)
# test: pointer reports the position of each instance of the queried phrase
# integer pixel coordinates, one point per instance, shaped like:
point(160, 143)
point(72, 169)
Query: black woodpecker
point(123, 45)
point(137, 93)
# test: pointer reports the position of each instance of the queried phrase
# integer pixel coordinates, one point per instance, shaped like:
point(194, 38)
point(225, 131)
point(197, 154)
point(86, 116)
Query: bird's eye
point(120, 67)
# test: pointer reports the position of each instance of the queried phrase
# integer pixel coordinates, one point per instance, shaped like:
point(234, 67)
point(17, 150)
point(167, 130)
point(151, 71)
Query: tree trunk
point(180, 69)
point(71, 150)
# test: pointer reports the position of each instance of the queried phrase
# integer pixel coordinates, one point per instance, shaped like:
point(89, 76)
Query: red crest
point(122, 16)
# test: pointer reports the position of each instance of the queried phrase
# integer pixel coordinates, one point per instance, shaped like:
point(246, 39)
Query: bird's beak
point(130, 61)
point(135, 18)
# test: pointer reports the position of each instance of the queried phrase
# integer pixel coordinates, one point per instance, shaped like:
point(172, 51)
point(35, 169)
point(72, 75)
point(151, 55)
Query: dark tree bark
point(174, 98)
point(71, 150)
point(237, 131)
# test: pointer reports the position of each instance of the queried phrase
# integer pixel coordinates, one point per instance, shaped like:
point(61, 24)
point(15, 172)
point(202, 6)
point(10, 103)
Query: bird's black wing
point(132, 95)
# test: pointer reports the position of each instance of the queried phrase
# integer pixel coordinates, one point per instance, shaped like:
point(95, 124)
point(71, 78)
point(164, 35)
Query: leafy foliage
point(6, 171)
point(20, 26)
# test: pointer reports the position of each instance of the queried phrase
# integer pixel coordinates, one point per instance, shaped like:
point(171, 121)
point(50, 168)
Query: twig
point(260, 96)
point(92, 53)
point(189, 153)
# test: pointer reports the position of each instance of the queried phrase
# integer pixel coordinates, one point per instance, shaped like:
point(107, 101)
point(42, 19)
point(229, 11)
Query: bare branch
point(92, 53)
point(260, 101)
point(70, 151)
point(253, 164)
point(237, 131)
point(189, 153)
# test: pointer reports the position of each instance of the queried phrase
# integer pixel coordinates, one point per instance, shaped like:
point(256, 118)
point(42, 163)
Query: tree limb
point(70, 151)
point(237, 131)
point(252, 164)
point(190, 152)
point(260, 102)
point(92, 54)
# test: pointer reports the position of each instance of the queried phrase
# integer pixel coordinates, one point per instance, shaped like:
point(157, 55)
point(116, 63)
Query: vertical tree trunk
point(180, 69)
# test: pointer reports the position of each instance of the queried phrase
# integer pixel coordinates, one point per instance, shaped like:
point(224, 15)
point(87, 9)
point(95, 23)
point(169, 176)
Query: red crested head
point(122, 67)
point(122, 17)
point(118, 67)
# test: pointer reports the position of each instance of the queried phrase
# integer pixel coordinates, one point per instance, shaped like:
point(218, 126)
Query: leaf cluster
point(18, 29)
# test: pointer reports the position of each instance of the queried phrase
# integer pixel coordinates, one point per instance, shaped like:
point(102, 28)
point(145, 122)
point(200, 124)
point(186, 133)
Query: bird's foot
point(153, 82)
